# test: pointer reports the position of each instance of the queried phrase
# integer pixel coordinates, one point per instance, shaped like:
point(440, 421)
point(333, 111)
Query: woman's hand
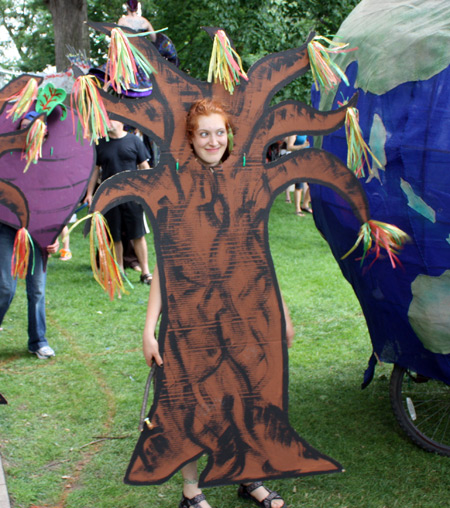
point(151, 350)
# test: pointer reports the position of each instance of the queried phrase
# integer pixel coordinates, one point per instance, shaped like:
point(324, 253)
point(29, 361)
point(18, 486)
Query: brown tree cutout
point(223, 390)
point(14, 199)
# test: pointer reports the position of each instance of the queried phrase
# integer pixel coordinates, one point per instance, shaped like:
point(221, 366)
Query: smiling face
point(210, 139)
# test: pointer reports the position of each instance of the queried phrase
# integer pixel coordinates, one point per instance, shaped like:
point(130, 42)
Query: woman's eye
point(221, 132)
point(203, 134)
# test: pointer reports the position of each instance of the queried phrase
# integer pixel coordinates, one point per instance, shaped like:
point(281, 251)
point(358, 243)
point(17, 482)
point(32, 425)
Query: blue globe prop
point(401, 71)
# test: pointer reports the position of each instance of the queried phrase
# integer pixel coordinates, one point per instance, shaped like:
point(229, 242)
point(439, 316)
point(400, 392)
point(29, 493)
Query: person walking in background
point(35, 280)
point(293, 143)
point(35, 284)
point(123, 152)
point(133, 19)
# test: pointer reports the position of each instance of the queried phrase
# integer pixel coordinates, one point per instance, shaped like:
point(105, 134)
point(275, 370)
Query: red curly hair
point(205, 107)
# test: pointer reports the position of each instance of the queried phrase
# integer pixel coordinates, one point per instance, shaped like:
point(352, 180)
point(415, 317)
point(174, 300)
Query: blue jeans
point(35, 288)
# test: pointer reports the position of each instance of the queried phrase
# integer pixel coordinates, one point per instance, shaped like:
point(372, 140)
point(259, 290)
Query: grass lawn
point(71, 424)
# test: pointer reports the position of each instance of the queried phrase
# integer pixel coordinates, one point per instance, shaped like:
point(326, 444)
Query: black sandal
point(245, 491)
point(192, 503)
point(146, 279)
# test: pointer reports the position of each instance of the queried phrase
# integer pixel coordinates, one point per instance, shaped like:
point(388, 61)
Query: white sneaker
point(43, 352)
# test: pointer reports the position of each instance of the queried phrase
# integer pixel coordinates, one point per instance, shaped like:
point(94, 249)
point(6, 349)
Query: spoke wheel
point(422, 408)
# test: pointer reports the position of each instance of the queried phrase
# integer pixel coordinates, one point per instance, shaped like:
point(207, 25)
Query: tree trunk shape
point(69, 24)
point(223, 389)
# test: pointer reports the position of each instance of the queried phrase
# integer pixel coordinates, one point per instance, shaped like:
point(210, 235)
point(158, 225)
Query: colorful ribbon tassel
point(106, 272)
point(23, 244)
point(357, 149)
point(92, 115)
point(123, 62)
point(326, 73)
point(34, 142)
point(377, 235)
point(23, 100)
point(225, 65)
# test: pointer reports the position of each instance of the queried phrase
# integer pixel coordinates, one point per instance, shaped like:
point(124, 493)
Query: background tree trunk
point(69, 23)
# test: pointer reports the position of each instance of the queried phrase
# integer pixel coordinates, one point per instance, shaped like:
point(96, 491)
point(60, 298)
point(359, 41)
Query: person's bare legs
point(307, 199)
point(140, 247)
point(288, 195)
point(298, 200)
point(190, 483)
point(190, 487)
point(118, 247)
point(65, 238)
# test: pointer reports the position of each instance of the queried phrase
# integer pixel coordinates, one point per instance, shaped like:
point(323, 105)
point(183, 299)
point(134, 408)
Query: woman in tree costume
point(222, 387)
point(209, 131)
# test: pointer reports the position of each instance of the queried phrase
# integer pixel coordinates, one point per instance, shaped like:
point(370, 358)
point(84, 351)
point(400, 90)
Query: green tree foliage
point(257, 27)
point(103, 10)
point(29, 25)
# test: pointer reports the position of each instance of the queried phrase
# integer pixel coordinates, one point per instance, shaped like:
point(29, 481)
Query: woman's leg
point(35, 282)
point(288, 195)
point(190, 483)
point(65, 238)
point(298, 199)
point(140, 247)
point(306, 199)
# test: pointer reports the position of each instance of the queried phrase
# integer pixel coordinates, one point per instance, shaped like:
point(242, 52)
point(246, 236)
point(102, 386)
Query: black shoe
point(146, 279)
point(245, 491)
point(192, 503)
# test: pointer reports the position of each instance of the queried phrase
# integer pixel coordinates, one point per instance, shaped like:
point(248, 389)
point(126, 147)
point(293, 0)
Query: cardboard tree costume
point(43, 198)
point(223, 388)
